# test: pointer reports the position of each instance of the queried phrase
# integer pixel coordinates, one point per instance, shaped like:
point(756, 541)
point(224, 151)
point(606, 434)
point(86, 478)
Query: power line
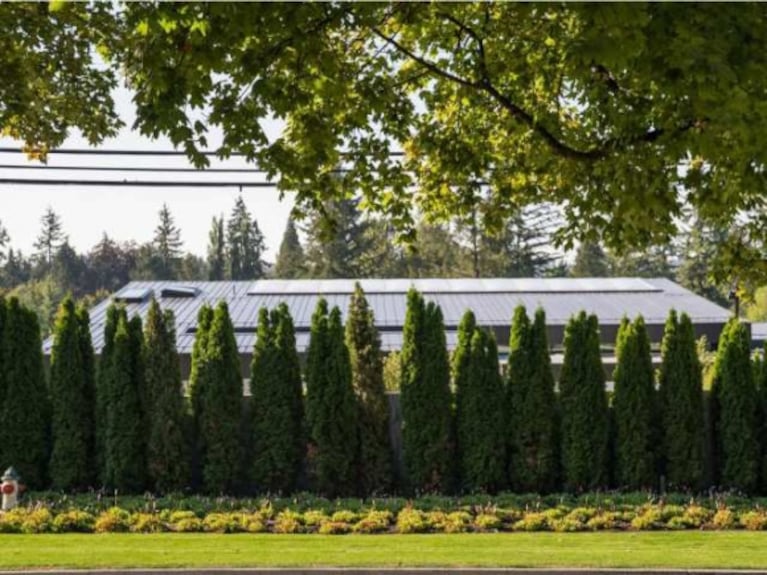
point(133, 183)
point(159, 169)
point(117, 152)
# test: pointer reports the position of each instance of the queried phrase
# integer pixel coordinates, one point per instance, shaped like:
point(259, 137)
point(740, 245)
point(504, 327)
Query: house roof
point(492, 301)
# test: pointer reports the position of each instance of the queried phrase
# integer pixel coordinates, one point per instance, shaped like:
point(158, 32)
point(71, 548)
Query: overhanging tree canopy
point(618, 113)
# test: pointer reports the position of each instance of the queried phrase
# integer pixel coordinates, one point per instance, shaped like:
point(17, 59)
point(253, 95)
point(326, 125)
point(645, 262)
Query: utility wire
point(133, 183)
point(108, 152)
point(133, 169)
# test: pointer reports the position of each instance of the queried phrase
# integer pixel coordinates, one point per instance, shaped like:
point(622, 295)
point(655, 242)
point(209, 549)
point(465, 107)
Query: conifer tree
point(680, 398)
point(167, 244)
point(124, 453)
point(219, 403)
point(634, 407)
point(103, 387)
point(331, 405)
point(136, 336)
point(426, 397)
point(3, 384)
point(532, 400)
point(364, 343)
point(276, 388)
point(584, 406)
point(736, 410)
point(167, 463)
point(216, 250)
point(89, 381)
point(69, 465)
point(290, 259)
point(480, 434)
point(24, 413)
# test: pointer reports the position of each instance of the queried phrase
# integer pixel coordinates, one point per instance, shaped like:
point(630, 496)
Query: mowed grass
point(648, 549)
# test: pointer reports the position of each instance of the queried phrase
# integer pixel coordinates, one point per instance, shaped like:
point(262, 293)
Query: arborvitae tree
point(364, 343)
point(216, 250)
point(680, 398)
point(275, 385)
point(426, 397)
point(584, 406)
point(89, 381)
point(481, 438)
point(634, 407)
point(219, 402)
point(532, 400)
point(197, 374)
point(24, 413)
point(331, 407)
point(3, 383)
point(103, 386)
point(736, 408)
point(136, 335)
point(70, 467)
point(167, 462)
point(124, 454)
point(290, 259)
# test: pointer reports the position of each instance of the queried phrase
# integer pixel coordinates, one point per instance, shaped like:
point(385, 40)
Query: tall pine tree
point(634, 407)
point(217, 396)
point(167, 245)
point(426, 398)
point(24, 412)
point(331, 409)
point(216, 250)
point(290, 259)
point(680, 398)
point(480, 437)
point(70, 465)
point(584, 407)
point(167, 457)
point(124, 461)
point(736, 410)
point(364, 343)
point(245, 244)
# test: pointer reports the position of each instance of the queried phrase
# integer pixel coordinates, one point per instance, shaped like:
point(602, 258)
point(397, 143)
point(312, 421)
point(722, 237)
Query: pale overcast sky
point(127, 213)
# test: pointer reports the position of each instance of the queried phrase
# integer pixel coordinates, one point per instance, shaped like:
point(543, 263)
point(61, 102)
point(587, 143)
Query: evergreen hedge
point(736, 400)
point(364, 343)
point(634, 407)
point(680, 399)
point(24, 412)
point(167, 448)
point(103, 389)
point(480, 437)
point(584, 407)
point(70, 463)
point(426, 398)
point(532, 426)
point(331, 408)
point(275, 386)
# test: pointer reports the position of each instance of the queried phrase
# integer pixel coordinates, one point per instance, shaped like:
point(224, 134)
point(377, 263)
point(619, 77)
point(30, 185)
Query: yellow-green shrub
point(411, 520)
point(74, 521)
point(754, 520)
point(113, 520)
point(374, 522)
point(288, 521)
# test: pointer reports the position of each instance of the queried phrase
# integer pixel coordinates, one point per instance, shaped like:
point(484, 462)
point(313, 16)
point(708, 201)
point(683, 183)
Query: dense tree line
point(127, 426)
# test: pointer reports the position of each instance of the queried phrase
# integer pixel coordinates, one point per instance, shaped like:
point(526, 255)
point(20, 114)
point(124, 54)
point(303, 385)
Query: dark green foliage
point(103, 386)
point(480, 436)
point(70, 465)
point(364, 343)
point(24, 413)
point(736, 411)
point(290, 259)
point(124, 460)
point(634, 407)
point(217, 397)
point(89, 382)
point(426, 398)
point(584, 406)
point(331, 408)
point(532, 400)
point(167, 463)
point(3, 311)
point(680, 398)
point(275, 385)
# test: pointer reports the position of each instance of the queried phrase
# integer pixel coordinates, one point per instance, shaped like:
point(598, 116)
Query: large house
point(492, 300)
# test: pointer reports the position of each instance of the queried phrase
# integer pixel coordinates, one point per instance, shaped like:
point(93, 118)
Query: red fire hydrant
point(10, 486)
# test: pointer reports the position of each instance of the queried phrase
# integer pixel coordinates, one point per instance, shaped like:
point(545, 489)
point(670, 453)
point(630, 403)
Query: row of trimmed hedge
point(41, 519)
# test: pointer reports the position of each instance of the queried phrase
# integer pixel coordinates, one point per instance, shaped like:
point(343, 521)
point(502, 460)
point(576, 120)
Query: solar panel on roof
point(133, 295)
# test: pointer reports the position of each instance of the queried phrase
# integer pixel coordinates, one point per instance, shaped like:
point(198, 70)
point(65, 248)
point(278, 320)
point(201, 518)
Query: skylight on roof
point(133, 295)
point(179, 291)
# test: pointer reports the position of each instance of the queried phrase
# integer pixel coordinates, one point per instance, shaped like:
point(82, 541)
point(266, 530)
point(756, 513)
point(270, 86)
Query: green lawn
point(659, 549)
